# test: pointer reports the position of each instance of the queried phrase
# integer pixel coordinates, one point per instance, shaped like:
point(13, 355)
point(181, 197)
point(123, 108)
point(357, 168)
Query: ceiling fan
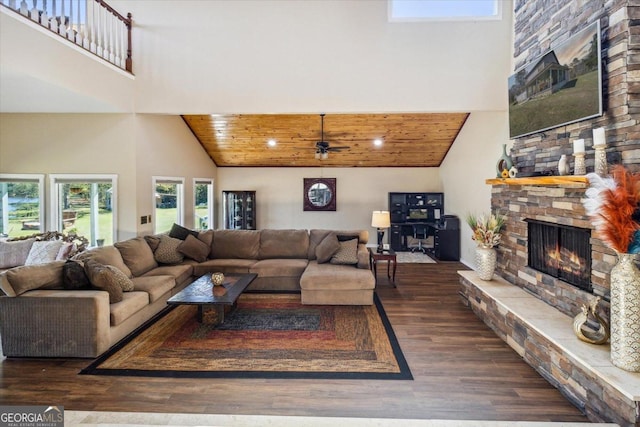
point(323, 147)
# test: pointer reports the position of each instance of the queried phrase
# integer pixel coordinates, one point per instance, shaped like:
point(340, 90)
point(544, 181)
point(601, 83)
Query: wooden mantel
point(541, 180)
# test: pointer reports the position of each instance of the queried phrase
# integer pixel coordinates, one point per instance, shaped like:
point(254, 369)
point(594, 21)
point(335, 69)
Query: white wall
point(471, 160)
point(166, 147)
point(360, 191)
point(74, 143)
point(263, 56)
point(256, 56)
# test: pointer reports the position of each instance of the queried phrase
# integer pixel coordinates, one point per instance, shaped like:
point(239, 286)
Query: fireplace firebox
point(561, 251)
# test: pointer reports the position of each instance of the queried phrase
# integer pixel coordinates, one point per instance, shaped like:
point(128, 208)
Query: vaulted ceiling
point(411, 140)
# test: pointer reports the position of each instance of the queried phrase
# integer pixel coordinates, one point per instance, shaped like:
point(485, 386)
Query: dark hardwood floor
point(461, 370)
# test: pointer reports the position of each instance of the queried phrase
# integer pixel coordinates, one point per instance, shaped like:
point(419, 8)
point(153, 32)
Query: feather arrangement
point(612, 204)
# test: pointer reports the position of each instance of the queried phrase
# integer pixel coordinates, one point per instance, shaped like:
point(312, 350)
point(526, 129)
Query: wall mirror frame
point(319, 194)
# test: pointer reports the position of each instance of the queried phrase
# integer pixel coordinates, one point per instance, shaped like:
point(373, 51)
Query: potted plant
point(486, 233)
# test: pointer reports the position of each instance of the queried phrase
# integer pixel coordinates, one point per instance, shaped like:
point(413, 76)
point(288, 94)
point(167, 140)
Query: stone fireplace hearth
point(532, 310)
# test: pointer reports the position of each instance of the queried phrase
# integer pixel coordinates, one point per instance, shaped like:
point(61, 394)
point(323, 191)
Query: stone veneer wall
point(539, 26)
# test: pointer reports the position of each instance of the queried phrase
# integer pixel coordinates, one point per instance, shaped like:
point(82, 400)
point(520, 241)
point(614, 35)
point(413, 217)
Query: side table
point(387, 255)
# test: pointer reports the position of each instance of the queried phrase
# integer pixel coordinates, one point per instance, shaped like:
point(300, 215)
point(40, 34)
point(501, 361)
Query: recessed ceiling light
point(271, 143)
point(377, 142)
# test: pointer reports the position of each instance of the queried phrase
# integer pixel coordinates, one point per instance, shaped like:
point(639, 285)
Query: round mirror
point(319, 195)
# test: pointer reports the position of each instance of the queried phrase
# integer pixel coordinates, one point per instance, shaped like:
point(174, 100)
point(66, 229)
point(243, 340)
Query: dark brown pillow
point(327, 248)
point(74, 277)
point(180, 232)
point(194, 248)
point(103, 278)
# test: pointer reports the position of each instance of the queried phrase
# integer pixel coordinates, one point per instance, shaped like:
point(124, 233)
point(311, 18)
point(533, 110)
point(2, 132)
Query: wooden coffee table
point(213, 302)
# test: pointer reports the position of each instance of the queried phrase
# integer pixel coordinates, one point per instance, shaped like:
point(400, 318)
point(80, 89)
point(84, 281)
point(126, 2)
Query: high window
point(86, 205)
point(21, 204)
point(168, 202)
point(203, 203)
point(421, 10)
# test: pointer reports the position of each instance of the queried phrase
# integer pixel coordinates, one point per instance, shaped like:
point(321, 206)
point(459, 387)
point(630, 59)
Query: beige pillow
point(194, 248)
point(137, 254)
point(42, 252)
point(41, 276)
point(327, 248)
point(167, 251)
point(347, 254)
point(106, 255)
point(106, 279)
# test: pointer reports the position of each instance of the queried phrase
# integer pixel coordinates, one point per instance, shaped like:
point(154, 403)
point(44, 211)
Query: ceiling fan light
point(325, 156)
point(317, 155)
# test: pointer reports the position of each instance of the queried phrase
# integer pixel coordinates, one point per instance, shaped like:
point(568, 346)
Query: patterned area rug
point(268, 336)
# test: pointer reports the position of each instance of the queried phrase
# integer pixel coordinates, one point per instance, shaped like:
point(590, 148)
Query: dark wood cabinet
point(239, 210)
point(409, 209)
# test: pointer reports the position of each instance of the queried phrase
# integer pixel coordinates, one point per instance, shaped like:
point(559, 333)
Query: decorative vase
point(563, 165)
point(486, 259)
point(504, 163)
point(625, 313)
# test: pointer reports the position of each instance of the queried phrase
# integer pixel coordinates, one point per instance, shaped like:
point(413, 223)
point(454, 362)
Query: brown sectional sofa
point(40, 318)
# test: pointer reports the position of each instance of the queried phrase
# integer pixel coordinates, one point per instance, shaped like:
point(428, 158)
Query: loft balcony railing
point(90, 24)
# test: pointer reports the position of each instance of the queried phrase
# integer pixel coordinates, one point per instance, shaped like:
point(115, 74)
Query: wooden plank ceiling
point(413, 140)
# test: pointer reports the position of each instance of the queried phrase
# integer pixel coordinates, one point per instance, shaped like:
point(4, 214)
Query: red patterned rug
point(268, 336)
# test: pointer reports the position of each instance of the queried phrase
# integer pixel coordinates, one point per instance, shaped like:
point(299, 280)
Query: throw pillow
point(347, 254)
point(65, 251)
point(327, 248)
point(42, 252)
point(153, 242)
point(125, 283)
point(106, 255)
point(13, 254)
point(103, 278)
point(137, 254)
point(194, 248)
point(167, 251)
point(74, 277)
point(180, 232)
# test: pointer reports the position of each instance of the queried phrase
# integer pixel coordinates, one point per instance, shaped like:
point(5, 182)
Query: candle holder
point(600, 160)
point(579, 168)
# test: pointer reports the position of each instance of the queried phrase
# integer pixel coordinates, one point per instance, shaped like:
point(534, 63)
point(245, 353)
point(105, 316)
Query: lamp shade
point(380, 219)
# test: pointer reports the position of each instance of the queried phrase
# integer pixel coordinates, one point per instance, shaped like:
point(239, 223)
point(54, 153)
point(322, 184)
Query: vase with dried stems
point(613, 204)
point(486, 233)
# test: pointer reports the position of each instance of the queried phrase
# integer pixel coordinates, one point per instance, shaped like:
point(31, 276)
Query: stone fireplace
point(559, 206)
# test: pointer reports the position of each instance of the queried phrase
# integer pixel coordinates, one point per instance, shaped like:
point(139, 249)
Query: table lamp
point(380, 220)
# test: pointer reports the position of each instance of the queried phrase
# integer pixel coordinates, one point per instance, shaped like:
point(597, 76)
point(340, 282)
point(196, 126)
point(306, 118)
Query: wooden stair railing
point(90, 24)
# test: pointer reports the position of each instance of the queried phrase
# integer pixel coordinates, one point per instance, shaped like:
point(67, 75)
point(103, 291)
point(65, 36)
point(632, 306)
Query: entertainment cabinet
point(409, 209)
